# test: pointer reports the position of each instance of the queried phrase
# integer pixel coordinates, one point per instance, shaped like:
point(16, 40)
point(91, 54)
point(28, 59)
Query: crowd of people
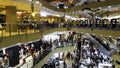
point(4, 61)
point(85, 56)
point(27, 53)
point(86, 53)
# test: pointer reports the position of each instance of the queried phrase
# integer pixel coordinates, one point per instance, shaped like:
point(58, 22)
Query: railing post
point(19, 32)
point(9, 30)
point(34, 29)
point(1, 32)
point(26, 30)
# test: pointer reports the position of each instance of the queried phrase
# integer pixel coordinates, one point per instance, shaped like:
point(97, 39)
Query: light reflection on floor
point(4, 33)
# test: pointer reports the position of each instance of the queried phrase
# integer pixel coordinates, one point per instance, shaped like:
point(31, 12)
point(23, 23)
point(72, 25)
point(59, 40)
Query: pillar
point(11, 18)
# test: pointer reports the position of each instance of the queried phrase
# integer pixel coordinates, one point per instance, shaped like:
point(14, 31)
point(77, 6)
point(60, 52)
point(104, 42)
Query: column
point(11, 18)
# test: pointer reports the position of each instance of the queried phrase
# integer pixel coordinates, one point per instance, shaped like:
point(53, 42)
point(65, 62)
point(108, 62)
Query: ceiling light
point(33, 14)
point(29, 0)
point(109, 36)
point(109, 6)
point(19, 12)
point(44, 14)
point(40, 4)
point(57, 6)
point(65, 7)
point(37, 2)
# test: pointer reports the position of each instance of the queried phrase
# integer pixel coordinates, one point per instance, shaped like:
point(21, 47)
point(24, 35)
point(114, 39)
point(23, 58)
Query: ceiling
point(70, 3)
point(75, 8)
point(86, 8)
point(97, 12)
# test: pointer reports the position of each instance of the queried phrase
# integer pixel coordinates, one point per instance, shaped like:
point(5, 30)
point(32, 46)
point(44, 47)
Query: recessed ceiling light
point(40, 4)
point(29, 0)
point(109, 6)
point(19, 12)
point(37, 2)
point(109, 36)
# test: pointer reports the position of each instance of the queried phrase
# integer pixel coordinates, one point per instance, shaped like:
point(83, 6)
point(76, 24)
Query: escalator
point(103, 48)
point(102, 42)
point(112, 46)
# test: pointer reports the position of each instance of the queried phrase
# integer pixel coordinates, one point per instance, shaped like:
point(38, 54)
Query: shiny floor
point(4, 33)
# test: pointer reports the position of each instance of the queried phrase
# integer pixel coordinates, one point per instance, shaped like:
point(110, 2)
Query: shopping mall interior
point(59, 33)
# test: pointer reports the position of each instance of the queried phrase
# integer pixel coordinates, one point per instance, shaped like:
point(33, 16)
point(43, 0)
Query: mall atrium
point(59, 33)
